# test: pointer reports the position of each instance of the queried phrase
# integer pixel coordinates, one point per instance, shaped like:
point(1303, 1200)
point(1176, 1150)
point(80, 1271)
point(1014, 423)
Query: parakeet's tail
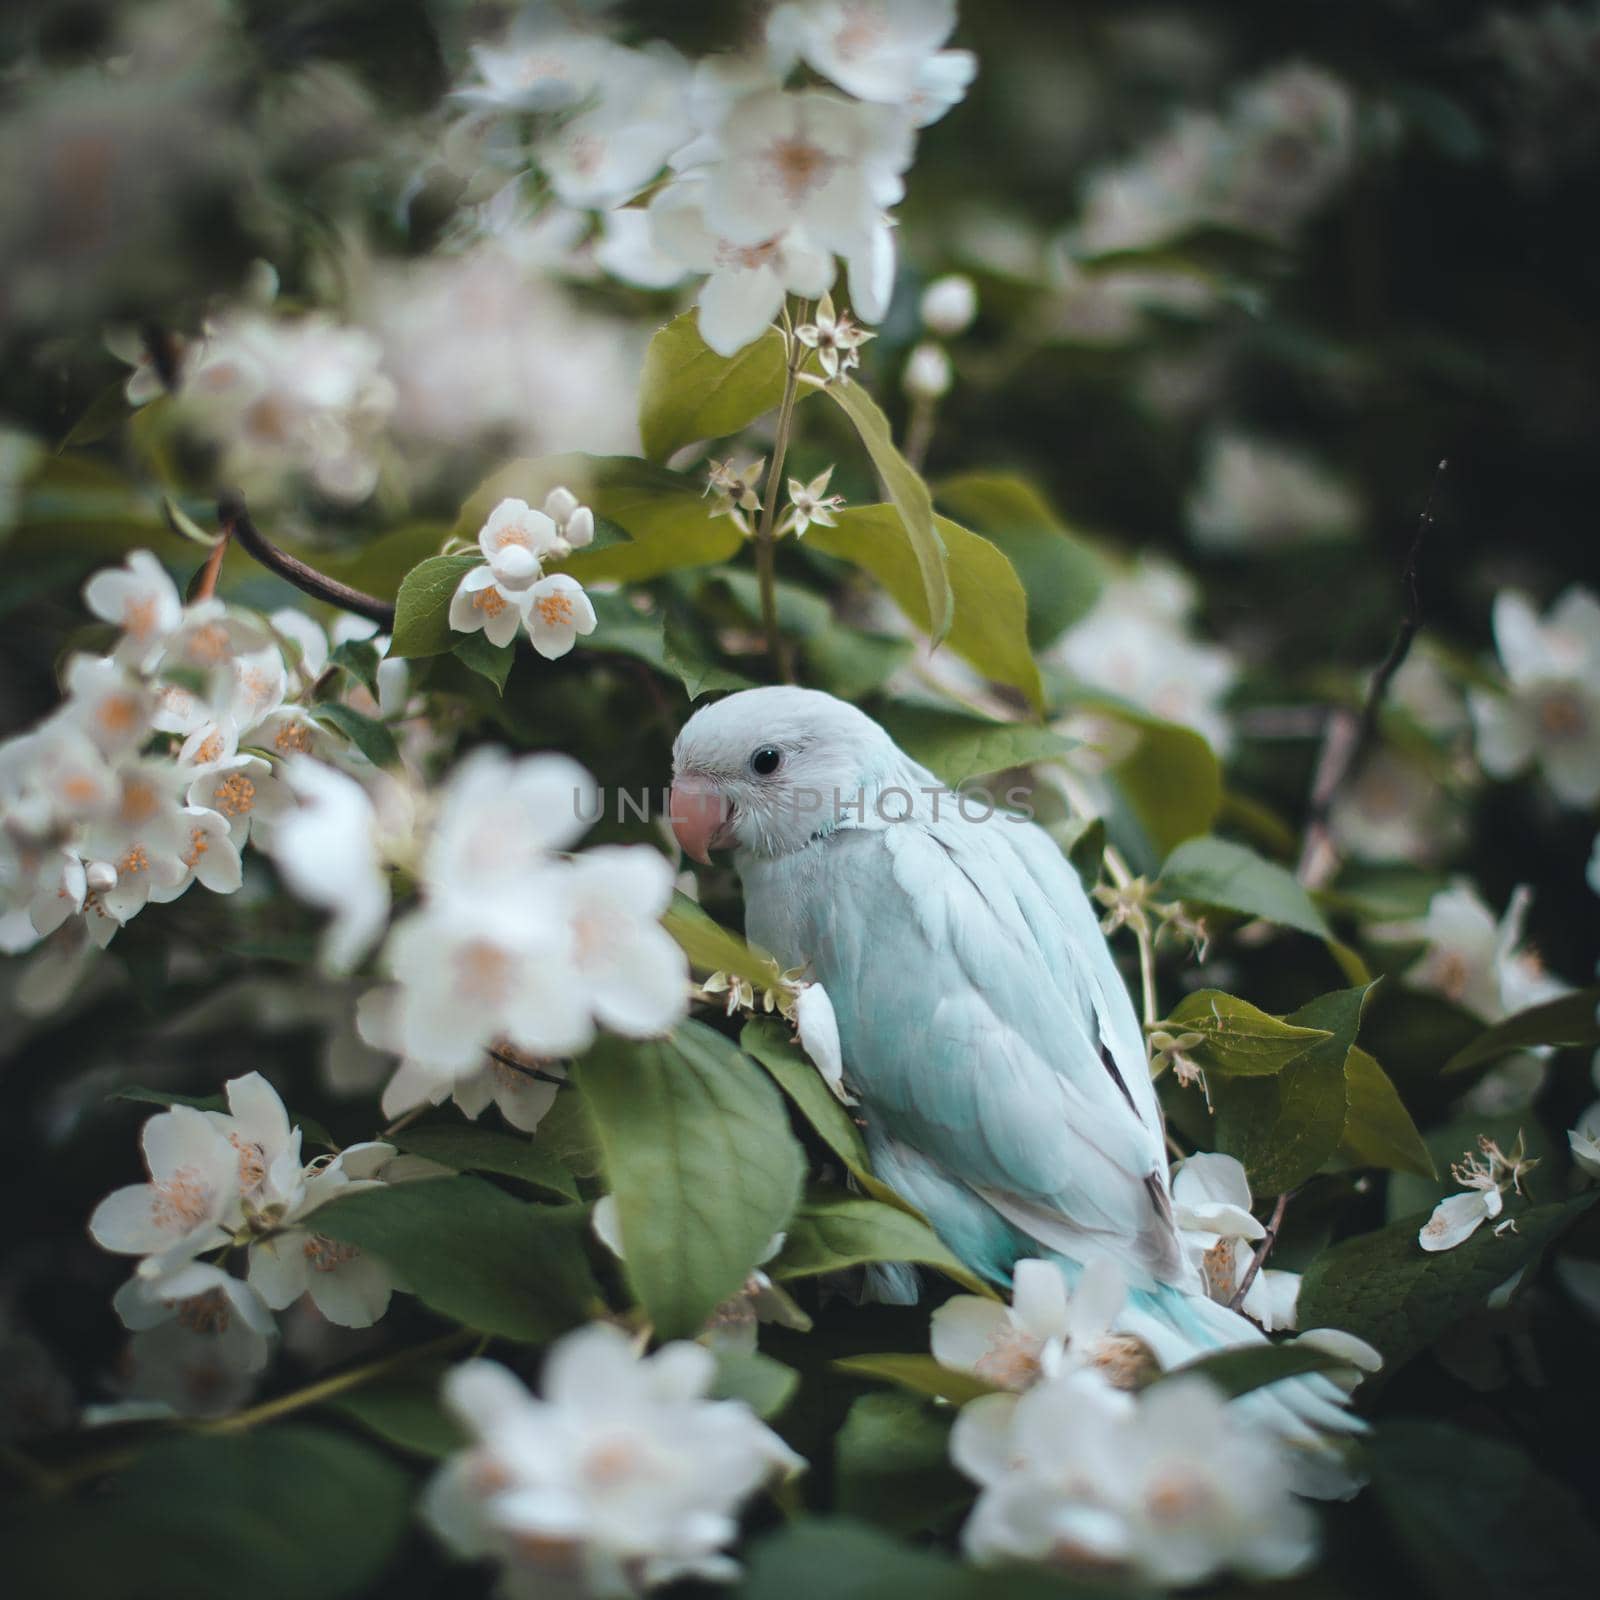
point(1181, 1327)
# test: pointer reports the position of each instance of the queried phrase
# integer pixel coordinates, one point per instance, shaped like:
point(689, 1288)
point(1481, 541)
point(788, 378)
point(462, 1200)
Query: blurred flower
point(1211, 1205)
point(888, 51)
point(199, 1296)
point(1473, 960)
point(1134, 645)
point(284, 396)
point(948, 306)
point(1173, 1485)
point(141, 600)
point(330, 854)
point(1394, 809)
point(1584, 1141)
point(1550, 713)
point(927, 374)
point(1256, 495)
point(206, 1370)
point(622, 1477)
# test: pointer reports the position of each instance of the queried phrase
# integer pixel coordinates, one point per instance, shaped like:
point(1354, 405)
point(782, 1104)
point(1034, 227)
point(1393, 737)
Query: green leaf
point(311, 1130)
point(1568, 1021)
point(1283, 1127)
point(769, 1041)
point(847, 1560)
point(1237, 1039)
point(831, 1231)
point(1385, 1288)
point(712, 948)
point(491, 661)
point(664, 517)
point(289, 1510)
point(1169, 783)
point(688, 392)
point(765, 1385)
point(1475, 1516)
point(852, 664)
point(956, 746)
point(1250, 1367)
point(358, 660)
point(371, 737)
point(892, 1464)
point(698, 1153)
point(989, 629)
point(406, 1412)
point(105, 414)
point(470, 1252)
point(1378, 1130)
point(472, 1149)
point(920, 1375)
point(1063, 576)
point(1218, 872)
point(683, 654)
point(911, 500)
point(422, 608)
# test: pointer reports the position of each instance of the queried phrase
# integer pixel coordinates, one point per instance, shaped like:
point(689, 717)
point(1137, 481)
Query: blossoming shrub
point(417, 1184)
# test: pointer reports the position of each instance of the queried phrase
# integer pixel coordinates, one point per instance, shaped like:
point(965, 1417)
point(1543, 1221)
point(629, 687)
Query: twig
point(1348, 740)
point(766, 542)
point(1263, 1250)
point(539, 1076)
point(235, 519)
point(326, 1388)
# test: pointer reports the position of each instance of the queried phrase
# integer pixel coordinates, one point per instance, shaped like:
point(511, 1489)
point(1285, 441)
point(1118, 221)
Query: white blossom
point(817, 1027)
point(1174, 1485)
point(481, 601)
point(811, 503)
point(558, 612)
point(747, 280)
point(1211, 1206)
point(1045, 1331)
point(1473, 960)
point(836, 338)
point(621, 1477)
point(1484, 1178)
point(1549, 715)
point(1584, 1141)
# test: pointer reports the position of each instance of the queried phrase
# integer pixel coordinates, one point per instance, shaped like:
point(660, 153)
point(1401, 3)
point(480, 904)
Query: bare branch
point(1263, 1250)
point(235, 519)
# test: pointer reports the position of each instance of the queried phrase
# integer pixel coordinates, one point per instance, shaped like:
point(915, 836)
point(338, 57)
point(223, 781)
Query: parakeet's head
point(766, 770)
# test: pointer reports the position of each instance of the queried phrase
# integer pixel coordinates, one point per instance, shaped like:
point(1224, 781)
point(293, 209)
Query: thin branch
point(507, 1060)
point(1263, 1250)
point(235, 518)
point(1349, 740)
point(339, 1383)
point(766, 540)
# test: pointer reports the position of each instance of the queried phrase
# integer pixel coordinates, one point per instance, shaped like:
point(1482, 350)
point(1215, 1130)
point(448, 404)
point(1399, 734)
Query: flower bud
point(580, 527)
point(559, 505)
point(927, 375)
point(949, 305)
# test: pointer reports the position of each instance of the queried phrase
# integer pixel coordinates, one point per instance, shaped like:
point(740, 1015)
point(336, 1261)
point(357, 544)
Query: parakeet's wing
point(984, 1023)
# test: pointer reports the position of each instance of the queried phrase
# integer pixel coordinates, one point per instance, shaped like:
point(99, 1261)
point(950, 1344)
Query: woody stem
point(1263, 1250)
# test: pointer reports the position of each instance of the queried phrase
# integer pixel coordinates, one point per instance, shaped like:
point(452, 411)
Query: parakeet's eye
point(766, 760)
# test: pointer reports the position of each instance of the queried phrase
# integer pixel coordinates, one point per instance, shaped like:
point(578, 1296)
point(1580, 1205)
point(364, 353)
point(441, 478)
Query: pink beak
point(698, 812)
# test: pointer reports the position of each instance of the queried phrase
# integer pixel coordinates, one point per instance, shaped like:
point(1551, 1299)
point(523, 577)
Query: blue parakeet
point(1002, 1073)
